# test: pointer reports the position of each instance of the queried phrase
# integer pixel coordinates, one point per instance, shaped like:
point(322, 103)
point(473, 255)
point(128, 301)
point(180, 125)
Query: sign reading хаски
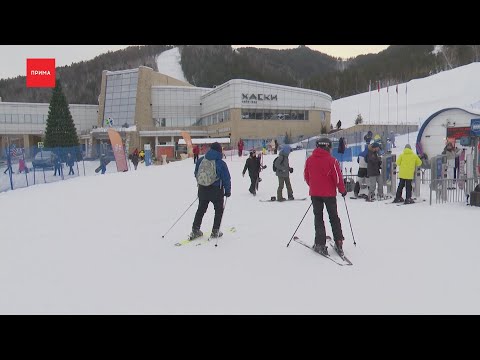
point(253, 98)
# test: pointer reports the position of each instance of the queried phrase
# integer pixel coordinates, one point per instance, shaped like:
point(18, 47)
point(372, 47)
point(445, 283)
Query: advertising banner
point(188, 141)
point(118, 151)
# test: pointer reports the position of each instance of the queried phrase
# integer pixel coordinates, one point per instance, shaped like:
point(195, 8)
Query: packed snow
point(168, 63)
point(417, 99)
point(93, 244)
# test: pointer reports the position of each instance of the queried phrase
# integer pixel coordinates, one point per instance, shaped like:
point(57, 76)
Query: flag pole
point(378, 101)
point(370, 105)
point(388, 104)
point(397, 105)
point(406, 111)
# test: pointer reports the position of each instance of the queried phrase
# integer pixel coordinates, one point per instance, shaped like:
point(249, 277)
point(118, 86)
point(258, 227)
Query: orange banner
point(118, 150)
point(188, 141)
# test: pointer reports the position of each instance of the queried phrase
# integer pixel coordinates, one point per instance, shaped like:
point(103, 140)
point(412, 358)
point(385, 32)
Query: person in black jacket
point(70, 163)
point(254, 167)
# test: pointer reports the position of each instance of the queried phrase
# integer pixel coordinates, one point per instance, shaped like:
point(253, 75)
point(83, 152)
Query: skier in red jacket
point(323, 176)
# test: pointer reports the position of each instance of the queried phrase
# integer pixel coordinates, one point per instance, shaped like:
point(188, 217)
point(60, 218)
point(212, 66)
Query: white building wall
point(229, 95)
point(30, 118)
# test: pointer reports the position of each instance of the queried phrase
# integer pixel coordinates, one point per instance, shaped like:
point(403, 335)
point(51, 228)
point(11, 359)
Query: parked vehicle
point(43, 159)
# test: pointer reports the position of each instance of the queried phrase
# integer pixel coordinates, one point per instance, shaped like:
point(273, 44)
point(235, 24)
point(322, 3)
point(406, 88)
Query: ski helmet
point(324, 143)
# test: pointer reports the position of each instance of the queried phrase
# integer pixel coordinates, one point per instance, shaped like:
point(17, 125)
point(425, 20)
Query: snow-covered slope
point(94, 245)
point(168, 63)
point(417, 99)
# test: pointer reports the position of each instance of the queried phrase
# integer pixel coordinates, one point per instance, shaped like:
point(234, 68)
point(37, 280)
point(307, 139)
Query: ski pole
point(354, 243)
point(299, 224)
point(180, 217)
point(224, 205)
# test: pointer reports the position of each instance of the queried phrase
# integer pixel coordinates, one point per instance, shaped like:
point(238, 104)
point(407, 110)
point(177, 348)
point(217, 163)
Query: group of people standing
point(370, 171)
point(322, 174)
point(272, 146)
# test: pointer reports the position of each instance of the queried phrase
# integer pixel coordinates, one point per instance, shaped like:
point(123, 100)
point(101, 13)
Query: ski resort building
point(161, 107)
point(147, 107)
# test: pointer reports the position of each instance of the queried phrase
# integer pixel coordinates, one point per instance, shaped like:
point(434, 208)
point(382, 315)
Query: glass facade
point(32, 117)
point(176, 106)
point(219, 117)
point(121, 97)
point(269, 114)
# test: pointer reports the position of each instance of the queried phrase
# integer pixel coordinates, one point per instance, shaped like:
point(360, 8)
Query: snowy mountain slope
point(417, 100)
point(168, 63)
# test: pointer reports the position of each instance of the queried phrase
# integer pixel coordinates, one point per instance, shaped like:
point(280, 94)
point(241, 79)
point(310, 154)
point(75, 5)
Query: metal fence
point(440, 191)
point(23, 167)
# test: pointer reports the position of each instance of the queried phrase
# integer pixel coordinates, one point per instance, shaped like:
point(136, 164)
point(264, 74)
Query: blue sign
point(475, 127)
point(439, 167)
point(388, 167)
point(148, 157)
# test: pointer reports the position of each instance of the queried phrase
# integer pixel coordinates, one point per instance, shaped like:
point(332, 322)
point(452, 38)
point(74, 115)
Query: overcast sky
point(13, 57)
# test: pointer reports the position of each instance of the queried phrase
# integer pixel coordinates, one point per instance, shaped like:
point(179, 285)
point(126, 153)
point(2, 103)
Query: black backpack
point(274, 168)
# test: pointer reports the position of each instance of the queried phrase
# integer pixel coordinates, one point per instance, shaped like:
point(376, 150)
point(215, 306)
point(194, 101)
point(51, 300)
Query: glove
point(344, 194)
point(291, 170)
point(264, 166)
point(227, 194)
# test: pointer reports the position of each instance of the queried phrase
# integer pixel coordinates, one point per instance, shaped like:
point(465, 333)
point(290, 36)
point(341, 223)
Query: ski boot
point(321, 249)
point(339, 247)
point(409, 201)
point(196, 233)
point(216, 233)
point(399, 200)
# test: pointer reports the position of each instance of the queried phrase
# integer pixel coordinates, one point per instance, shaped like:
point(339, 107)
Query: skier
point(254, 167)
point(196, 152)
point(362, 174)
point(407, 161)
point(135, 158)
point(283, 171)
point(368, 138)
point(323, 175)
point(240, 147)
point(339, 124)
point(392, 138)
point(451, 153)
point(70, 162)
point(213, 179)
point(56, 164)
point(103, 163)
point(275, 149)
point(374, 164)
point(389, 146)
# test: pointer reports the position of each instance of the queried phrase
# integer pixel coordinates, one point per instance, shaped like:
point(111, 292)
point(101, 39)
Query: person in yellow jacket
point(407, 161)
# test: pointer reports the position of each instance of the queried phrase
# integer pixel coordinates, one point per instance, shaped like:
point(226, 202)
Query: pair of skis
point(204, 239)
point(344, 261)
